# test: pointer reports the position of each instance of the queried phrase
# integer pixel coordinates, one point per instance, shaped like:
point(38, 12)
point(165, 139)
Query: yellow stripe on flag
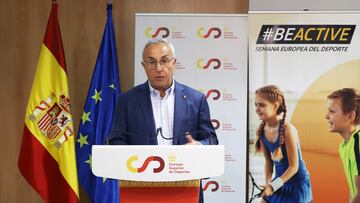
point(49, 95)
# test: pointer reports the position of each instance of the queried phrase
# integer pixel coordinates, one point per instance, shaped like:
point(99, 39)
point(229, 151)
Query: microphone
point(159, 131)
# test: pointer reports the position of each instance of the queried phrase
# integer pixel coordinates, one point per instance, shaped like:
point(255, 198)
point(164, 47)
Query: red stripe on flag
point(47, 126)
point(42, 172)
point(45, 117)
point(44, 123)
point(52, 38)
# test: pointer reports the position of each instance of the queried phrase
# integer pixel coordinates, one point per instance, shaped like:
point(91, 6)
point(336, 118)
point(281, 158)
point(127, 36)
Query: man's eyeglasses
point(164, 63)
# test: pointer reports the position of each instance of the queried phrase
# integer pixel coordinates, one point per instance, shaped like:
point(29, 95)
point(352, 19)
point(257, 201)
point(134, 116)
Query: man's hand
point(191, 140)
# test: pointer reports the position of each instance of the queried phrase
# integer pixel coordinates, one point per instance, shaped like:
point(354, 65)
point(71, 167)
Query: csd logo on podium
point(145, 164)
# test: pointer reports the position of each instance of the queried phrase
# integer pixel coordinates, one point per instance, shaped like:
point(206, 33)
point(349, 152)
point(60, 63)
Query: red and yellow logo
point(212, 182)
point(215, 30)
point(150, 34)
point(216, 63)
point(213, 93)
point(145, 164)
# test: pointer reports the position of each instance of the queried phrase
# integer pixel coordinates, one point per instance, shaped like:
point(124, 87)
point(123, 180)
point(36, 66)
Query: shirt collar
point(168, 91)
point(355, 132)
point(351, 137)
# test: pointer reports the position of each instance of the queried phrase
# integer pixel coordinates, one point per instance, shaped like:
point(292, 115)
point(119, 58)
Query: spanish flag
point(47, 154)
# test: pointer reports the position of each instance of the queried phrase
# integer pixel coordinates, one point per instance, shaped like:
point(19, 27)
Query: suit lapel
point(179, 111)
point(146, 109)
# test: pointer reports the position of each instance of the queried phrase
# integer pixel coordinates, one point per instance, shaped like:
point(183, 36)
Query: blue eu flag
point(97, 116)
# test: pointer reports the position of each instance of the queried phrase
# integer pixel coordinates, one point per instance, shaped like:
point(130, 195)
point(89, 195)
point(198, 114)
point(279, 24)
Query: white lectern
point(156, 173)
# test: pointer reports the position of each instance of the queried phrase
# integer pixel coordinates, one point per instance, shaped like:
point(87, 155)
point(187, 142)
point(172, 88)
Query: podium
point(156, 173)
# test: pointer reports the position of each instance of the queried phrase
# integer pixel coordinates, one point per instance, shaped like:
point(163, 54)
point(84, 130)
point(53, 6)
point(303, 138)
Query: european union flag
point(96, 119)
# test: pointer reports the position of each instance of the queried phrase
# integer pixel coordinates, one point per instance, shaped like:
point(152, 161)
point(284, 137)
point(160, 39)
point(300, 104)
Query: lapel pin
point(184, 96)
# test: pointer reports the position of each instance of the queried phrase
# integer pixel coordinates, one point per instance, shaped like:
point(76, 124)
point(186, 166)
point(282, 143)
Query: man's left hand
point(191, 140)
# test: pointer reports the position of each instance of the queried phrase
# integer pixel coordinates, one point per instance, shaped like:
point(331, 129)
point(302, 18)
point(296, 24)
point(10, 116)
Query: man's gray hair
point(159, 41)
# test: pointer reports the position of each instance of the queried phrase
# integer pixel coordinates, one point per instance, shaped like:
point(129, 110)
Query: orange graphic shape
point(319, 146)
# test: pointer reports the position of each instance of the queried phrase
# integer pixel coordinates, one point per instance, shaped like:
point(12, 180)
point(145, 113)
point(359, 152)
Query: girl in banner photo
point(278, 140)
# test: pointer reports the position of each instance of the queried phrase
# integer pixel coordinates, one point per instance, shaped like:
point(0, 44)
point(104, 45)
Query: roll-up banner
point(211, 53)
point(307, 55)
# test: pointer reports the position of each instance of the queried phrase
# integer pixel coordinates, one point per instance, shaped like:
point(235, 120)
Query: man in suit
point(161, 111)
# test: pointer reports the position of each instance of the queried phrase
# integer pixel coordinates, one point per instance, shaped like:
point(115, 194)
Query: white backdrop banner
point(211, 52)
point(307, 55)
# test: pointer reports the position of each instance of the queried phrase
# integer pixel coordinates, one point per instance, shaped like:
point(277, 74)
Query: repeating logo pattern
point(213, 31)
point(214, 94)
point(164, 31)
point(213, 62)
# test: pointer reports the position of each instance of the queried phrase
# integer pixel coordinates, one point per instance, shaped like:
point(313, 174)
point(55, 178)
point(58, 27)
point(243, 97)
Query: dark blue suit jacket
point(134, 122)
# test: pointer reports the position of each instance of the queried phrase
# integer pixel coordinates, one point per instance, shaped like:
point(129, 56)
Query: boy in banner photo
point(278, 140)
point(343, 116)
